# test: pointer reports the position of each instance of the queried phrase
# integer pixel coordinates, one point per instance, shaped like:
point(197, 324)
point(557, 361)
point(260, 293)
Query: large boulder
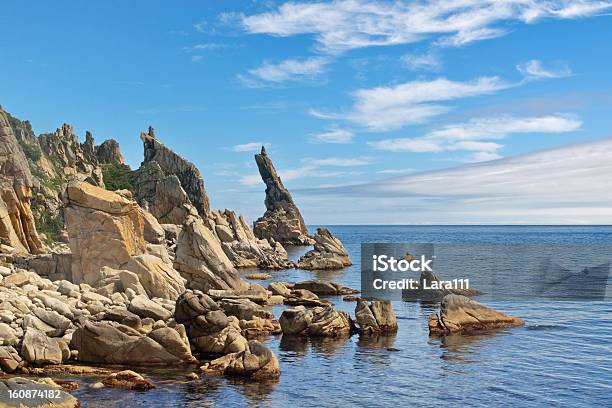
point(328, 253)
point(209, 329)
point(256, 362)
point(320, 321)
point(113, 343)
point(375, 317)
point(202, 261)
point(460, 314)
point(144, 307)
point(38, 349)
point(10, 360)
point(282, 220)
point(158, 278)
point(105, 229)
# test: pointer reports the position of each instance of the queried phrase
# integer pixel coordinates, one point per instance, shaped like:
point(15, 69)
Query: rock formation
point(328, 253)
point(375, 317)
point(109, 152)
point(173, 164)
point(105, 229)
point(460, 314)
point(53, 159)
point(282, 220)
point(17, 229)
point(257, 362)
point(319, 321)
point(114, 343)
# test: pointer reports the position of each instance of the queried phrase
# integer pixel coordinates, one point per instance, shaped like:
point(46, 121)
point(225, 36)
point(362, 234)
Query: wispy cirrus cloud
point(339, 161)
point(306, 171)
point(534, 69)
point(477, 135)
point(392, 107)
point(342, 25)
point(248, 147)
point(333, 135)
point(564, 185)
point(429, 61)
point(289, 70)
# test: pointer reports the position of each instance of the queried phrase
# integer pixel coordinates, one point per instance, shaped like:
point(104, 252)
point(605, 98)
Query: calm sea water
point(562, 357)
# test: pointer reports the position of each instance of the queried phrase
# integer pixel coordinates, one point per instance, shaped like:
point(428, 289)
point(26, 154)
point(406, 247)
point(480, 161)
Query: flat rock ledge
point(460, 314)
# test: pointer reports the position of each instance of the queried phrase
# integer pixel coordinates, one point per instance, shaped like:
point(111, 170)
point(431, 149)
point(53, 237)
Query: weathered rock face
point(162, 194)
point(257, 362)
point(173, 164)
point(105, 229)
point(328, 253)
point(17, 227)
point(202, 261)
point(375, 317)
point(460, 314)
point(109, 152)
point(113, 343)
point(282, 220)
point(128, 379)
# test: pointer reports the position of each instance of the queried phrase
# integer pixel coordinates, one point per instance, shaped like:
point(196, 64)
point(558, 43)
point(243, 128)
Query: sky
point(402, 112)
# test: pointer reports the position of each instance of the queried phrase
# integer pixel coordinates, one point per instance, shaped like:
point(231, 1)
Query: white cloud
point(287, 70)
point(207, 46)
point(533, 69)
point(337, 136)
point(196, 58)
point(339, 161)
point(569, 184)
point(249, 147)
point(392, 107)
point(306, 171)
point(475, 135)
point(342, 25)
point(417, 62)
point(396, 171)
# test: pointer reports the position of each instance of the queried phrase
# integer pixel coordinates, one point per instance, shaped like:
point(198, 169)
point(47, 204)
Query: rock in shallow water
point(257, 362)
point(328, 253)
point(375, 317)
point(460, 314)
point(319, 321)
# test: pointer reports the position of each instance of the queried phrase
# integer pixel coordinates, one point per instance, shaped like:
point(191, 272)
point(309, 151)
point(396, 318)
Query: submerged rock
point(328, 253)
point(128, 379)
point(460, 314)
point(282, 220)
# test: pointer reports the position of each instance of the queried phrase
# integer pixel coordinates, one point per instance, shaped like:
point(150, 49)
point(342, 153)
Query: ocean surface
point(561, 357)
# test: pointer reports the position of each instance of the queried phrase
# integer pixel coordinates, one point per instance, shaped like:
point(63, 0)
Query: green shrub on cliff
point(117, 177)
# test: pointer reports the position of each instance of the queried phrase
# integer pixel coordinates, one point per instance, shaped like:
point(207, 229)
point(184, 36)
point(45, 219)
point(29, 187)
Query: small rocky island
point(102, 265)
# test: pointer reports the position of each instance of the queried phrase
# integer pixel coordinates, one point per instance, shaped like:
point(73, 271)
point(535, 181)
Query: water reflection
point(300, 345)
point(257, 392)
point(464, 348)
point(377, 341)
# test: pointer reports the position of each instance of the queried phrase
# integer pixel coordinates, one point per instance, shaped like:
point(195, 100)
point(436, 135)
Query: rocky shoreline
point(135, 269)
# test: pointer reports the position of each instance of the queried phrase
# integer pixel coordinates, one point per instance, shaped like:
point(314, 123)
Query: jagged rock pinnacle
point(282, 221)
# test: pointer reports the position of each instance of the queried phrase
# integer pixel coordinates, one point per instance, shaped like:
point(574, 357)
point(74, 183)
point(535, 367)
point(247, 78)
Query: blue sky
point(342, 93)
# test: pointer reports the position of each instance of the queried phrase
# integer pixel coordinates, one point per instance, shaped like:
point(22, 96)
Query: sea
point(561, 357)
